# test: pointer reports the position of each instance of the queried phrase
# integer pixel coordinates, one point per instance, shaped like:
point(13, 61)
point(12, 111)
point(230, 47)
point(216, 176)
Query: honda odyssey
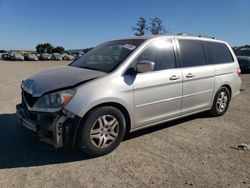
point(126, 85)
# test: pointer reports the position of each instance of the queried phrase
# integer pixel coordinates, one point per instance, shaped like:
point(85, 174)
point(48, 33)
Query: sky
point(77, 24)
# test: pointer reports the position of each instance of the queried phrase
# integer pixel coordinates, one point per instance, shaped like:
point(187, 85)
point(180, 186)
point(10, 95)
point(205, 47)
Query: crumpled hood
point(57, 78)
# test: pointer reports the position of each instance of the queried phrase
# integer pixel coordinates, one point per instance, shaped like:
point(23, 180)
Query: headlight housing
point(54, 102)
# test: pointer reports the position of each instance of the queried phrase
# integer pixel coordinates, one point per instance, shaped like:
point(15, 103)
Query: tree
point(3, 51)
point(157, 27)
point(58, 49)
point(141, 27)
point(44, 48)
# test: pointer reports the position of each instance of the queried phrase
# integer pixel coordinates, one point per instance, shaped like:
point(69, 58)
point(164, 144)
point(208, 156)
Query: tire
point(221, 102)
point(102, 131)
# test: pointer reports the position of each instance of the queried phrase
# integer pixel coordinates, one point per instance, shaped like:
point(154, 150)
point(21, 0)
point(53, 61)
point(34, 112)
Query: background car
point(243, 56)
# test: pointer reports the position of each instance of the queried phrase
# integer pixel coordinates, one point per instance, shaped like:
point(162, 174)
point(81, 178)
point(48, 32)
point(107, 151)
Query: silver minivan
point(126, 85)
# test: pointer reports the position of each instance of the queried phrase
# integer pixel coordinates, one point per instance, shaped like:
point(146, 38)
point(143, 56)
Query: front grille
point(28, 98)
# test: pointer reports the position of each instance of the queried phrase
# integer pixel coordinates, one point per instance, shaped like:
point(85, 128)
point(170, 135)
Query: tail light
point(238, 72)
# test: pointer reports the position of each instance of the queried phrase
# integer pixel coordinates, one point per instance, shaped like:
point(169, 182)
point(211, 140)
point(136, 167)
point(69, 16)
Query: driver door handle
point(189, 75)
point(174, 77)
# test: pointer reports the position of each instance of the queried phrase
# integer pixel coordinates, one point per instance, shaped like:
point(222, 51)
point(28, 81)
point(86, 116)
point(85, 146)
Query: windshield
point(106, 57)
point(243, 52)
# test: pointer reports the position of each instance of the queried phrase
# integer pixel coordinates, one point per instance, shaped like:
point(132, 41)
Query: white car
point(126, 85)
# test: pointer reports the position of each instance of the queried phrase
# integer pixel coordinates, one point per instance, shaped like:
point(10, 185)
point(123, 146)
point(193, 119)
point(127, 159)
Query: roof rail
point(193, 35)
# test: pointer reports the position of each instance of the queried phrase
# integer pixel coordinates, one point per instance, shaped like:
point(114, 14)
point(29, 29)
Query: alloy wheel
point(104, 131)
point(222, 101)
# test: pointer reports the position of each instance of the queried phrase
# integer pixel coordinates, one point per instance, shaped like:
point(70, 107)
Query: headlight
point(54, 102)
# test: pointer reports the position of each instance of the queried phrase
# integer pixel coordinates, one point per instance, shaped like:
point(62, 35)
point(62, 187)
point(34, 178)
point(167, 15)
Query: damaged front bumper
point(57, 129)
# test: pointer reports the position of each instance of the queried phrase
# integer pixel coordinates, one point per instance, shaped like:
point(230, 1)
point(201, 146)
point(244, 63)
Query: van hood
point(58, 78)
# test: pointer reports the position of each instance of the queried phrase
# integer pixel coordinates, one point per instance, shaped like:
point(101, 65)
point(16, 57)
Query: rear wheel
point(102, 131)
point(221, 102)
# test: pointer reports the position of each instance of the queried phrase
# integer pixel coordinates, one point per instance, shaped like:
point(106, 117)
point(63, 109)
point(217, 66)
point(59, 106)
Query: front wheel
point(221, 102)
point(102, 131)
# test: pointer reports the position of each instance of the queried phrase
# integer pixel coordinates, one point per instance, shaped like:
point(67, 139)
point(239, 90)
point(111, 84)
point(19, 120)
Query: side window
point(218, 53)
point(161, 52)
point(192, 53)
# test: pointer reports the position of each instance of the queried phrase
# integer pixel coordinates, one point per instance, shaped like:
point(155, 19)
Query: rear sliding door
point(198, 76)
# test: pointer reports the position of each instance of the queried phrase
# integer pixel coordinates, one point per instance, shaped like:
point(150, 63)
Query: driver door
point(158, 94)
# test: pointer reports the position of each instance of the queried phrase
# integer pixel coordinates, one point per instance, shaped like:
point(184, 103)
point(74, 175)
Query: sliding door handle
point(189, 75)
point(174, 77)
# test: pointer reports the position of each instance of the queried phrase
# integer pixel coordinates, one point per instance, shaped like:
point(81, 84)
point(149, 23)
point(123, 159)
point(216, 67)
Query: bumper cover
point(56, 132)
point(24, 120)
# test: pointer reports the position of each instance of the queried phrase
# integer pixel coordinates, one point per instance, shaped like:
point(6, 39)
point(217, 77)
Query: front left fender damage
point(57, 129)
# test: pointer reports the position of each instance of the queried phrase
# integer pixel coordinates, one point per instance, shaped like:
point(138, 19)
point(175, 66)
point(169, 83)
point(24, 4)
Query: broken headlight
point(54, 102)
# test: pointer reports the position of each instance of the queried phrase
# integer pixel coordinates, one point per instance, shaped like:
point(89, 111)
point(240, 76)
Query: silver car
point(126, 85)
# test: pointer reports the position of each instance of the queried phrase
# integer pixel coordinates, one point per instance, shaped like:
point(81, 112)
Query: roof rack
point(193, 35)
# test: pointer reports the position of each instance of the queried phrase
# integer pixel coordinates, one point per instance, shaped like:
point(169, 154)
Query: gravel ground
point(195, 151)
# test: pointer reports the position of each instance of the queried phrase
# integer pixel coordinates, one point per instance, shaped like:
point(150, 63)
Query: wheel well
point(229, 89)
point(116, 105)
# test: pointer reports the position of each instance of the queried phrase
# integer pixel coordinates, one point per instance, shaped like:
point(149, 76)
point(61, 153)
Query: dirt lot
point(194, 151)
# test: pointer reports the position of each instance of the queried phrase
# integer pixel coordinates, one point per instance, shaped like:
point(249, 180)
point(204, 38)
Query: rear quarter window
point(218, 53)
point(192, 53)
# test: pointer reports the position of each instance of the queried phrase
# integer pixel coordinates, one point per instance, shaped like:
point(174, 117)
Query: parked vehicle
point(126, 85)
point(243, 55)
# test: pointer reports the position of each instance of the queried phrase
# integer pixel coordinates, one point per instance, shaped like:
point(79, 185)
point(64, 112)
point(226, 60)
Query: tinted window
point(192, 53)
point(106, 57)
point(218, 53)
point(161, 52)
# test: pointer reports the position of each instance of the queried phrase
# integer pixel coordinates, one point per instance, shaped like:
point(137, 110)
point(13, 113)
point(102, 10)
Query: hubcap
point(104, 131)
point(222, 101)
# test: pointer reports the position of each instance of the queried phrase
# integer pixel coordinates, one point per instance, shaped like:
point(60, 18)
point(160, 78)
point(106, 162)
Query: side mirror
point(145, 66)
